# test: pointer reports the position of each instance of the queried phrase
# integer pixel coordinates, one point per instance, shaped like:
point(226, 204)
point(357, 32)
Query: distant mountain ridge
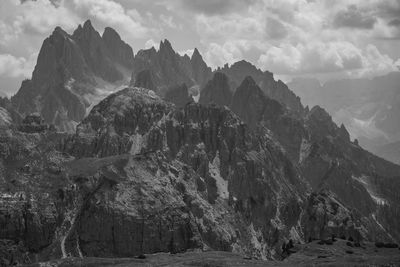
point(368, 107)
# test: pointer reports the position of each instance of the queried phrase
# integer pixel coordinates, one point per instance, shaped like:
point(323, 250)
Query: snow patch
point(294, 234)
point(5, 118)
point(222, 184)
point(138, 142)
point(304, 150)
point(194, 91)
point(364, 180)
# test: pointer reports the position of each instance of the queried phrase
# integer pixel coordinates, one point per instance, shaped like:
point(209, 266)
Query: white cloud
point(151, 43)
point(317, 58)
point(31, 18)
point(218, 55)
point(14, 67)
point(169, 22)
point(229, 27)
point(188, 52)
point(110, 13)
point(313, 57)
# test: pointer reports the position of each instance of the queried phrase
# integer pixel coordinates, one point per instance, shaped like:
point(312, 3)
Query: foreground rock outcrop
point(142, 176)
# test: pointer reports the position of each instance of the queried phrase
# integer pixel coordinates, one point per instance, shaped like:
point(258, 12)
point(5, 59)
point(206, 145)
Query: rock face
point(67, 78)
point(120, 51)
point(249, 102)
point(217, 91)
point(144, 79)
point(256, 109)
point(212, 156)
point(95, 52)
point(8, 113)
point(200, 71)
point(179, 95)
point(141, 176)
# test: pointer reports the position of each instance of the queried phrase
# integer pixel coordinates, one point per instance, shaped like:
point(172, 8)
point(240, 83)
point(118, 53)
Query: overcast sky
point(322, 38)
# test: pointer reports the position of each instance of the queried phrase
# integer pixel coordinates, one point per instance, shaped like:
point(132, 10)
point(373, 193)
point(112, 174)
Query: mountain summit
point(72, 73)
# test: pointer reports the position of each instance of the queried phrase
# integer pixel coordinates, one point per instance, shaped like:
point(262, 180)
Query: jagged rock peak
point(201, 72)
point(111, 34)
point(166, 46)
point(217, 91)
point(249, 102)
point(58, 33)
point(86, 30)
point(344, 133)
point(319, 113)
point(118, 49)
point(196, 54)
point(58, 30)
point(88, 25)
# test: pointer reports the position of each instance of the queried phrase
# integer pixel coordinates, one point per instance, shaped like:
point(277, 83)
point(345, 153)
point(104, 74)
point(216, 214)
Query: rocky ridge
point(324, 154)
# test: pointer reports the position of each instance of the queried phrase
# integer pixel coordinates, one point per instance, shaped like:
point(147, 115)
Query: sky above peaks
point(326, 39)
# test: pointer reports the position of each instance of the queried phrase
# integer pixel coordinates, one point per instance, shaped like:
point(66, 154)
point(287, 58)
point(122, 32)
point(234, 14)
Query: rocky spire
point(201, 72)
point(166, 46)
point(120, 51)
point(217, 91)
point(196, 55)
point(250, 103)
point(95, 52)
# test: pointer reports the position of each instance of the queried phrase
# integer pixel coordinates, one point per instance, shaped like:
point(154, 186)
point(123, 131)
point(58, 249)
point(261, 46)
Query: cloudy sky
point(321, 38)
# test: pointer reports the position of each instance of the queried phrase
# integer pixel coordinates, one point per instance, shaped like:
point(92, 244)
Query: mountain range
point(109, 154)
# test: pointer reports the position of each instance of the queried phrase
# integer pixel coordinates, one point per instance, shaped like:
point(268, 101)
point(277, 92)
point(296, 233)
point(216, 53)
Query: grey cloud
point(395, 23)
point(215, 7)
point(389, 9)
point(352, 17)
point(56, 3)
point(275, 29)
